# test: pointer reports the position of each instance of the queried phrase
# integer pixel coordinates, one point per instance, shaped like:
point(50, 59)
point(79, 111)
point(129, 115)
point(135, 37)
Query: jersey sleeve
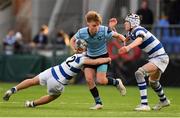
point(108, 33)
point(77, 35)
point(140, 33)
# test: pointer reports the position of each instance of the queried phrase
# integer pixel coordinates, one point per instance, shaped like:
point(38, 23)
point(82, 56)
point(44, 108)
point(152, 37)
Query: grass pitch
point(76, 100)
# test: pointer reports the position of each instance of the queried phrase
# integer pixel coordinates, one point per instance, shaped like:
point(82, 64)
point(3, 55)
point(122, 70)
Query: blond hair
point(93, 16)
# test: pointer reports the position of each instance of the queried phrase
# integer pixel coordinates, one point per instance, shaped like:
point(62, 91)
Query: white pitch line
point(10, 102)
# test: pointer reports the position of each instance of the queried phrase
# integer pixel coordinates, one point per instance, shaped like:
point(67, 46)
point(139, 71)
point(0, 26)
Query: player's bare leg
point(140, 78)
point(43, 100)
point(89, 75)
point(23, 85)
point(103, 80)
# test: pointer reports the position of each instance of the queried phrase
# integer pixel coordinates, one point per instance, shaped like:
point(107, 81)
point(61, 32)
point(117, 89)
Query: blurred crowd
point(13, 42)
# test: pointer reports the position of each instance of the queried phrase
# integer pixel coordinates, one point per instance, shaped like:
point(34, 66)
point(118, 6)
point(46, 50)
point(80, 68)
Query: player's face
point(127, 25)
point(80, 50)
point(93, 27)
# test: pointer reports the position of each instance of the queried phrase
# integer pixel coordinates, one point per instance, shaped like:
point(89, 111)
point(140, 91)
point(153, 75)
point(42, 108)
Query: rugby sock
point(143, 92)
point(13, 90)
point(95, 94)
point(31, 104)
point(112, 81)
point(156, 86)
point(140, 74)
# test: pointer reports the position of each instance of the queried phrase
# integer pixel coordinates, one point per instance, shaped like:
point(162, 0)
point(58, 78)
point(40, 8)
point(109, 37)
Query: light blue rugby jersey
point(69, 68)
point(97, 44)
point(151, 45)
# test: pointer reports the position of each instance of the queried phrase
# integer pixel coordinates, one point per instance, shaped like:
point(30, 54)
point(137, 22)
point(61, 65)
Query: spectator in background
point(41, 39)
point(12, 43)
point(19, 43)
point(62, 40)
point(163, 26)
point(145, 13)
point(9, 42)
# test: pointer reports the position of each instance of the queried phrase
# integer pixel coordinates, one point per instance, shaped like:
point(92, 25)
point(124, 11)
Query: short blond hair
point(93, 16)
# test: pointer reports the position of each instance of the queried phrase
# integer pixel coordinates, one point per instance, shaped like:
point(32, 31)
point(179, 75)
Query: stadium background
point(27, 16)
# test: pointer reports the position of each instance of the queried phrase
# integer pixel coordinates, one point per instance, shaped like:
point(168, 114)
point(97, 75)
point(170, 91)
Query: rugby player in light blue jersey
point(158, 61)
point(97, 37)
point(56, 77)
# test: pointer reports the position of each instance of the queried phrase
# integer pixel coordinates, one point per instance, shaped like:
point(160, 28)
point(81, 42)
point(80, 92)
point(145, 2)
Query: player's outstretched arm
point(119, 36)
point(97, 61)
point(135, 43)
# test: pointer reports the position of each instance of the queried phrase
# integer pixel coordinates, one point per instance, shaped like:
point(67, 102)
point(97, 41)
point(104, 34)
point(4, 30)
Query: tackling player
point(56, 77)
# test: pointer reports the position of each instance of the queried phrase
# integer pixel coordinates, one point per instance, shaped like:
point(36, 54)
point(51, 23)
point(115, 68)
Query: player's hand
point(124, 50)
point(112, 22)
point(109, 60)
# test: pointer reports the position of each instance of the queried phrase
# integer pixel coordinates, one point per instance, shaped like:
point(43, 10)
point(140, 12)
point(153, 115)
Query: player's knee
point(90, 81)
point(35, 81)
point(140, 74)
point(102, 81)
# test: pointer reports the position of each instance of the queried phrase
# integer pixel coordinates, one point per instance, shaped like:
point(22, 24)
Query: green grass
point(76, 100)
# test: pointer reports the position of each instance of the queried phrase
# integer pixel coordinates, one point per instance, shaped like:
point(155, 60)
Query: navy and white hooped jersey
point(97, 44)
point(151, 45)
point(69, 68)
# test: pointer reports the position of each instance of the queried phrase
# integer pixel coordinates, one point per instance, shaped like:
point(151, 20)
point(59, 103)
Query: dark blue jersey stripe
point(77, 59)
point(159, 46)
point(75, 70)
point(139, 29)
point(147, 42)
point(68, 77)
point(54, 74)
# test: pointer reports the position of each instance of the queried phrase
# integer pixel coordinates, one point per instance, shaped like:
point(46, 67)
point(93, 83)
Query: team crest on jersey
point(100, 38)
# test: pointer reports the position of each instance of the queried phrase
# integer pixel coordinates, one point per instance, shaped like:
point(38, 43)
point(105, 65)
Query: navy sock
point(112, 81)
point(95, 94)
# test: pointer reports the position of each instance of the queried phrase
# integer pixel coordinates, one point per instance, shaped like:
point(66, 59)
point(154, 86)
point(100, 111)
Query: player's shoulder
point(83, 30)
point(139, 28)
point(83, 33)
point(80, 57)
point(102, 28)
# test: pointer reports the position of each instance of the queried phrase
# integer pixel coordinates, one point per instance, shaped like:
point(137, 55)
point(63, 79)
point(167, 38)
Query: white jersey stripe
point(67, 69)
point(151, 46)
point(70, 67)
point(159, 52)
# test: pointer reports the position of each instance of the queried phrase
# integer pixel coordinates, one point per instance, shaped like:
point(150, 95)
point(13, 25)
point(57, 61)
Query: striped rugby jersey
point(151, 45)
point(69, 68)
point(97, 44)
